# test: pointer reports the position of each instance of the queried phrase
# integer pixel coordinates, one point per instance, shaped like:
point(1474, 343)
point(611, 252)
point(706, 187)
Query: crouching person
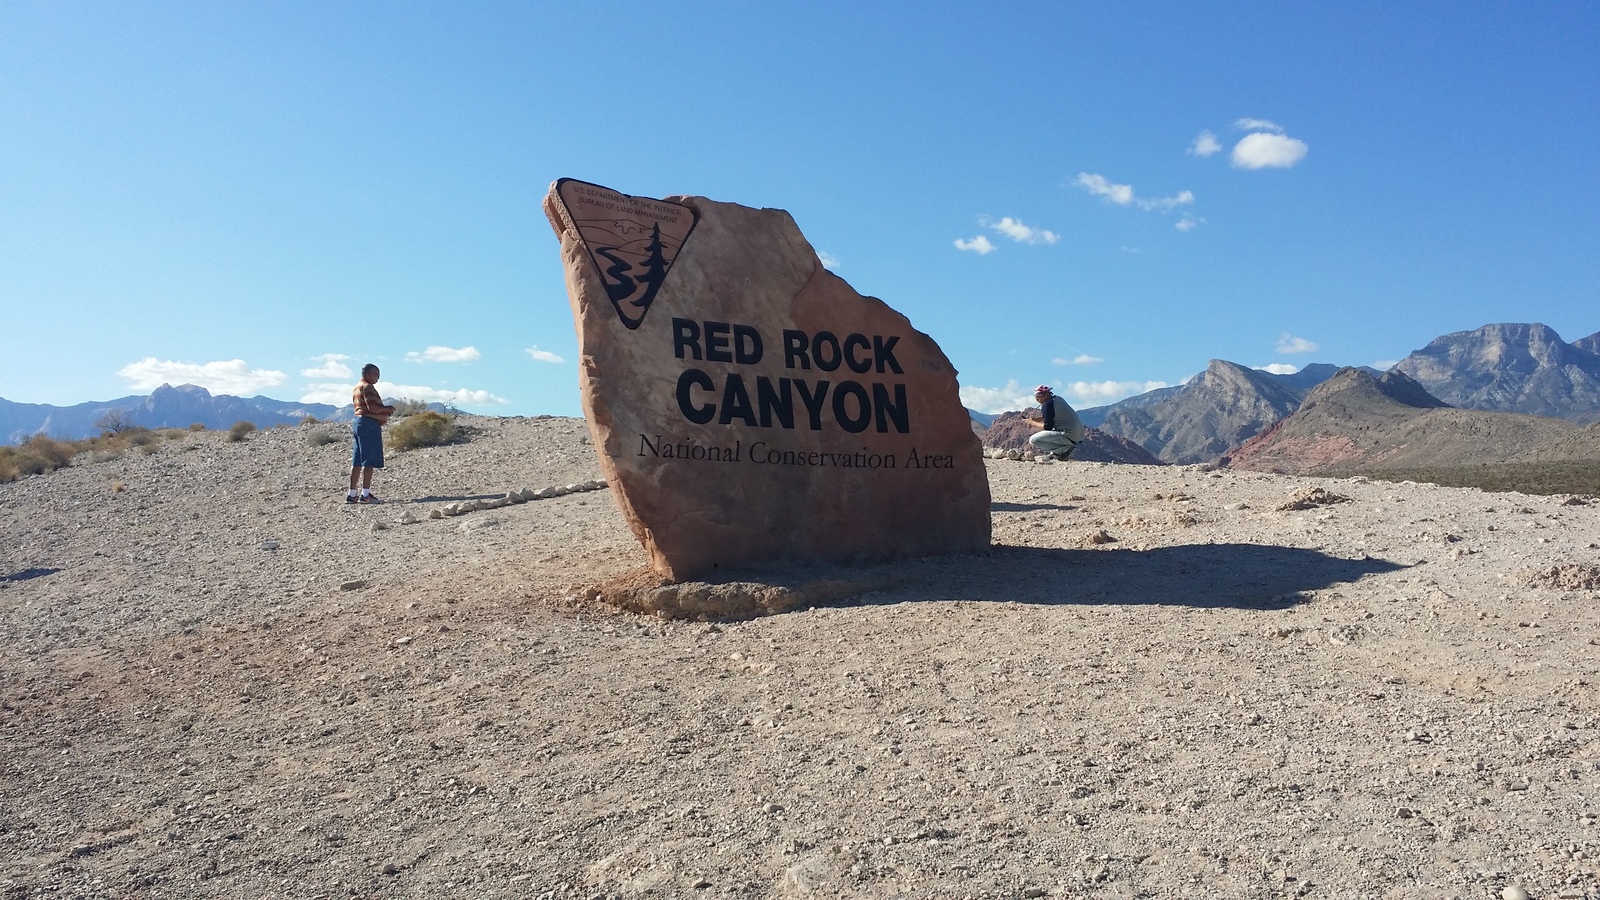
point(1060, 432)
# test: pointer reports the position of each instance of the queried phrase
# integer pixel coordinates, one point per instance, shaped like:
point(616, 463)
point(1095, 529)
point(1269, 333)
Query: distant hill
point(1011, 431)
point(1216, 410)
point(1355, 423)
point(165, 407)
point(1524, 368)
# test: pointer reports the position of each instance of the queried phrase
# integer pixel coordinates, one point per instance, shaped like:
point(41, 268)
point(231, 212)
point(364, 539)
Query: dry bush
point(57, 453)
point(310, 420)
point(424, 429)
point(35, 456)
point(320, 438)
point(404, 408)
point(139, 437)
point(239, 430)
point(197, 426)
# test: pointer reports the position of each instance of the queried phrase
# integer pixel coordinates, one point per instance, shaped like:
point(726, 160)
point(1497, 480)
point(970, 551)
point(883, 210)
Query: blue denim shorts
point(369, 444)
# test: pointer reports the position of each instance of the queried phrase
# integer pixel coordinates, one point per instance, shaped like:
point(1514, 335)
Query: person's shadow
point(1239, 576)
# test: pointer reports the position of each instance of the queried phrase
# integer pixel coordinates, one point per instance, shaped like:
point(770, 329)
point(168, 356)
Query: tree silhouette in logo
point(655, 272)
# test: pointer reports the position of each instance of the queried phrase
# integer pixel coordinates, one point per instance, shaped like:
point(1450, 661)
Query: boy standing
point(371, 416)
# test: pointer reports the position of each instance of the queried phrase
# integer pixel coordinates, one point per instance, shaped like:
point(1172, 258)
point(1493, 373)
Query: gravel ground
point(1157, 684)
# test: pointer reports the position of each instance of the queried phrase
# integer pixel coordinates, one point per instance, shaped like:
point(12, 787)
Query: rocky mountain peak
point(1510, 367)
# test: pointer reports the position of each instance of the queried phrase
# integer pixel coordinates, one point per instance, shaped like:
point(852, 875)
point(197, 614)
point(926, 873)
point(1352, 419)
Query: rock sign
point(746, 404)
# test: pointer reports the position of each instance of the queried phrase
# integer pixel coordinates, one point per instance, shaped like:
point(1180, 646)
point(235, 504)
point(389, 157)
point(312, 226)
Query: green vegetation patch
point(1565, 477)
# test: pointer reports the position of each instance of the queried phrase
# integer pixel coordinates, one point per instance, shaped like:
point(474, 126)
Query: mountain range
point(1217, 409)
point(165, 407)
point(1502, 368)
point(1354, 422)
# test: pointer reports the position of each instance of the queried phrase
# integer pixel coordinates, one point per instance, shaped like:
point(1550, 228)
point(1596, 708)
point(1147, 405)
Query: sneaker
point(350, 498)
point(369, 498)
point(1062, 455)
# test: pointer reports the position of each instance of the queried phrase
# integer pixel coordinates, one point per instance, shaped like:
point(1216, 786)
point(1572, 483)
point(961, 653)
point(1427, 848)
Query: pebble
point(355, 585)
point(1513, 892)
point(269, 545)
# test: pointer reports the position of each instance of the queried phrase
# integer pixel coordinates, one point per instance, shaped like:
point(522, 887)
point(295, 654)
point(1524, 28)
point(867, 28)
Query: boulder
point(746, 404)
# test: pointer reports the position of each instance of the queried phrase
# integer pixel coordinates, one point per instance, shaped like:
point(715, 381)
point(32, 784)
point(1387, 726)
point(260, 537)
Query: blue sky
point(260, 197)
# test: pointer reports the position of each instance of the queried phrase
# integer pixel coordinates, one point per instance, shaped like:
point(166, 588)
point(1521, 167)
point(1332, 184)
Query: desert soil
point(1391, 696)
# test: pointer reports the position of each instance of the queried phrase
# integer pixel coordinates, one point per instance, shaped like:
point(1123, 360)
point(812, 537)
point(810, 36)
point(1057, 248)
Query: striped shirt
point(367, 402)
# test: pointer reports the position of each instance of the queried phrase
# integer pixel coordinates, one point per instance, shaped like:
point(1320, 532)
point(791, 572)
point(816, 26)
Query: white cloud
point(1189, 223)
point(222, 377)
point(829, 261)
point(1010, 398)
point(1278, 368)
point(1082, 359)
point(1100, 393)
point(1257, 125)
point(1123, 195)
point(1291, 344)
point(339, 395)
point(543, 355)
point(331, 394)
point(1205, 144)
point(1023, 234)
point(1268, 151)
point(444, 354)
point(1165, 204)
point(1083, 393)
point(458, 397)
point(332, 367)
point(1101, 186)
point(979, 245)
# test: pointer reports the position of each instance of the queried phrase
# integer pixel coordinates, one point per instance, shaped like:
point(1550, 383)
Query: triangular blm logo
point(632, 241)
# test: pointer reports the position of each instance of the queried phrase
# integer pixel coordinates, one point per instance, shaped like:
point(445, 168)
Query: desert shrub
point(309, 419)
point(404, 407)
point(139, 437)
point(320, 438)
point(104, 456)
point(239, 430)
point(35, 456)
point(424, 429)
point(57, 453)
point(197, 426)
point(172, 434)
point(10, 470)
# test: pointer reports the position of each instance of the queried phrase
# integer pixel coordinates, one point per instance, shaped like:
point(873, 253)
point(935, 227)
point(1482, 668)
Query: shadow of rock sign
point(746, 404)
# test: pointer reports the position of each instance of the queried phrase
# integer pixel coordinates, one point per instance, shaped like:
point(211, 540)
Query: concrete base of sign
point(743, 595)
